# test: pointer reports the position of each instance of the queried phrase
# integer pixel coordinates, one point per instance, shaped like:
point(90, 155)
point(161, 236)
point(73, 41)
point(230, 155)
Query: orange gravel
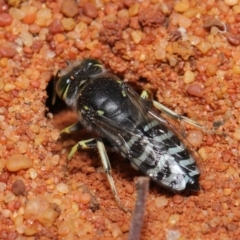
point(186, 52)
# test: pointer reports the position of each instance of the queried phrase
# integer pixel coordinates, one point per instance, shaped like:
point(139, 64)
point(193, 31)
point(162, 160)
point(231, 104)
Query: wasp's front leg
point(72, 128)
point(85, 144)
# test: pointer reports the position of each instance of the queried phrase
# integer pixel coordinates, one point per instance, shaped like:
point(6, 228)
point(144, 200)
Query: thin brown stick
point(142, 186)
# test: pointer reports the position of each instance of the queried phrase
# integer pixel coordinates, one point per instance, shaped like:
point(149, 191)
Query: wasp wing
point(166, 132)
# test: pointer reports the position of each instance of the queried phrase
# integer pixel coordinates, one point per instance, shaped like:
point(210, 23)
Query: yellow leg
point(73, 128)
point(107, 168)
point(178, 117)
point(86, 144)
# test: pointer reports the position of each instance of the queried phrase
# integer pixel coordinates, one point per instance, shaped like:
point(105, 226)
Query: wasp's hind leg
point(93, 143)
point(107, 168)
point(180, 118)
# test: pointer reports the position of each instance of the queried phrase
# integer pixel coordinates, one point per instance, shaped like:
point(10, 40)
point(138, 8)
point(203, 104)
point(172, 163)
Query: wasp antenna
point(54, 88)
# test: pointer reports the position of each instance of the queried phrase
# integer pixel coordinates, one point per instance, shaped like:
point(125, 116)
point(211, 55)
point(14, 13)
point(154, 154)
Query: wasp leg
point(144, 95)
point(73, 128)
point(178, 117)
point(93, 143)
point(107, 168)
point(86, 144)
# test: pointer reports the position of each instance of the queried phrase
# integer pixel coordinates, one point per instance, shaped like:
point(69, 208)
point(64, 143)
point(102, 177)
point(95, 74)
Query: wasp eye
point(62, 86)
point(92, 67)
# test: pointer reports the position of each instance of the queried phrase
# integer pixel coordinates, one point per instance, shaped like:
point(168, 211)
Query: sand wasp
point(128, 123)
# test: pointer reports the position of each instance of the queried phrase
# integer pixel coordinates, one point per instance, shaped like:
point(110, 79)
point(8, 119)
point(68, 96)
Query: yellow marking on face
point(65, 92)
point(81, 82)
point(98, 65)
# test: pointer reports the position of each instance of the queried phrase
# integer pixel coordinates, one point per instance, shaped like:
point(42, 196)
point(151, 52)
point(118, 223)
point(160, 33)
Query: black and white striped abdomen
point(157, 151)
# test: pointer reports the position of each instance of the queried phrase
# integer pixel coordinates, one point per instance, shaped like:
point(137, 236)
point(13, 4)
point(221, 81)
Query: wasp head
point(70, 80)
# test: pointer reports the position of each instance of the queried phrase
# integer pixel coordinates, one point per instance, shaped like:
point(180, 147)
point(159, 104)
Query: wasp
point(128, 123)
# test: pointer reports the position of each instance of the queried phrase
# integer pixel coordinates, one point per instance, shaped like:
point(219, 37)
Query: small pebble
point(5, 19)
point(204, 46)
point(27, 38)
point(173, 219)
point(4, 176)
point(195, 137)
point(63, 229)
point(6, 213)
point(183, 21)
point(188, 76)
point(177, 199)
point(85, 198)
point(173, 235)
point(203, 153)
point(195, 89)
point(227, 191)
point(236, 134)
point(40, 209)
point(2, 186)
point(68, 24)
point(234, 39)
point(7, 88)
point(30, 232)
point(22, 146)
point(56, 27)
point(182, 6)
point(211, 70)
point(69, 8)
point(55, 160)
point(236, 68)
point(133, 10)
point(231, 2)
point(18, 162)
point(32, 173)
point(18, 187)
point(16, 13)
point(161, 202)
point(9, 197)
point(160, 53)
point(206, 184)
point(44, 17)
point(7, 51)
point(34, 28)
point(29, 18)
point(90, 10)
point(136, 36)
point(62, 188)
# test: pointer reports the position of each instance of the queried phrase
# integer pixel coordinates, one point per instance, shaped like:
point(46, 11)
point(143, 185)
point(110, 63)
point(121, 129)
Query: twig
point(142, 186)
